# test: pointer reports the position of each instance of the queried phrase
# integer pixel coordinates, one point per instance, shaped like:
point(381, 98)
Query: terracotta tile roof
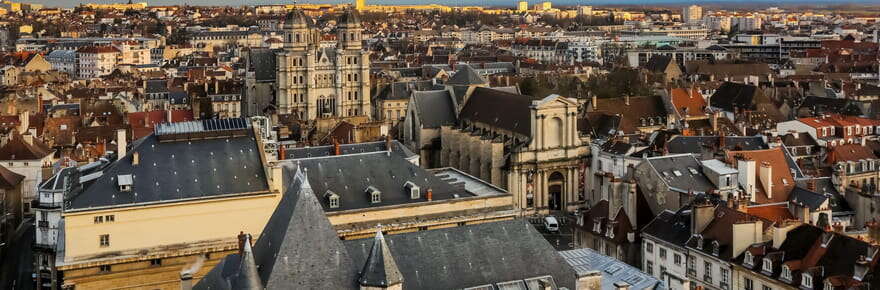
point(688, 102)
point(783, 181)
point(849, 152)
point(98, 49)
point(142, 123)
point(9, 179)
point(61, 130)
point(17, 149)
point(776, 212)
point(720, 229)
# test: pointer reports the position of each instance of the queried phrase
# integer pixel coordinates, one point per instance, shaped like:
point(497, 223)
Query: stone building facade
point(529, 147)
point(320, 82)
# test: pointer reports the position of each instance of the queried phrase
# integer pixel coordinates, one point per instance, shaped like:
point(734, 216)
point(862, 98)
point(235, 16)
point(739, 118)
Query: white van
point(551, 224)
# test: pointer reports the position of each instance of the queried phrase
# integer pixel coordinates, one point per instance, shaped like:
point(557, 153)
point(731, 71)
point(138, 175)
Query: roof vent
point(414, 192)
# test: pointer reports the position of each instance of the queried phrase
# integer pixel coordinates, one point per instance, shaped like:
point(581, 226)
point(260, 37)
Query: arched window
point(554, 134)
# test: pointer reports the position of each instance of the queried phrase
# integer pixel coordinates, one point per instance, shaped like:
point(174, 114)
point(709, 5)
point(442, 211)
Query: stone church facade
point(323, 82)
point(529, 147)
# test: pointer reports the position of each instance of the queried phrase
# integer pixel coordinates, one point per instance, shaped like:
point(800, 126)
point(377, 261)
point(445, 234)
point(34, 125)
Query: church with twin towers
point(316, 81)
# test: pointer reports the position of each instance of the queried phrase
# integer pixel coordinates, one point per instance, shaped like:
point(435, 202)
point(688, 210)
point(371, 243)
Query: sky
point(509, 3)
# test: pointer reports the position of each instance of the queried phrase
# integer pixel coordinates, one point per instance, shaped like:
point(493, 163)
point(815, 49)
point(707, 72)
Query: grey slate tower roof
point(380, 270)
point(298, 248)
point(236, 271)
point(466, 75)
point(349, 18)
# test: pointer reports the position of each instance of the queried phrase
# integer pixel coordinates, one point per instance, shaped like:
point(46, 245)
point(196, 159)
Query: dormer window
point(125, 182)
point(768, 265)
point(332, 199)
point(597, 226)
point(749, 259)
point(375, 194)
point(786, 273)
point(413, 189)
point(807, 280)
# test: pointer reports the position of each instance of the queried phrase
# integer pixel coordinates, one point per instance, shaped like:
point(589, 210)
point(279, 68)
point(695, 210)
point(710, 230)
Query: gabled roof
point(659, 63)
point(671, 227)
point(720, 229)
point(298, 248)
point(675, 171)
point(730, 96)
point(695, 144)
point(17, 148)
point(9, 179)
point(434, 108)
point(688, 101)
point(466, 76)
point(849, 152)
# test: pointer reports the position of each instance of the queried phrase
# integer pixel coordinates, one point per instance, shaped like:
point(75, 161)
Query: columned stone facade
point(535, 157)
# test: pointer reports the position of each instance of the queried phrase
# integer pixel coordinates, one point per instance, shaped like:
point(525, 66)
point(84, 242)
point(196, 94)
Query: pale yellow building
point(173, 203)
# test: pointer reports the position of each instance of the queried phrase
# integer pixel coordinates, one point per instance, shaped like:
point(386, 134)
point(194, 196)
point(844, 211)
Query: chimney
point(811, 185)
point(121, 143)
point(24, 122)
point(766, 176)
point(595, 102)
point(216, 86)
point(388, 143)
point(28, 138)
point(626, 100)
point(589, 281)
point(430, 194)
point(168, 116)
point(336, 149)
point(620, 285)
point(135, 158)
point(746, 176)
point(282, 153)
point(701, 216)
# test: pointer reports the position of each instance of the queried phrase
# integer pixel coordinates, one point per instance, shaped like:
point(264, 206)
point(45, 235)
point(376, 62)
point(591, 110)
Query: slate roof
point(613, 271)
point(799, 139)
point(804, 197)
point(671, 227)
point(466, 76)
point(263, 63)
point(658, 63)
point(379, 270)
point(350, 175)
point(675, 171)
point(720, 229)
point(499, 109)
point(730, 96)
point(177, 170)
point(473, 255)
point(434, 108)
point(629, 116)
point(298, 248)
point(235, 271)
point(694, 144)
point(344, 149)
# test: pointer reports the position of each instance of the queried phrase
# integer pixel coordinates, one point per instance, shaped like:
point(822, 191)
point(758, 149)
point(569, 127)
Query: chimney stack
point(24, 122)
point(626, 99)
point(766, 175)
point(135, 158)
point(28, 138)
point(430, 194)
point(388, 143)
point(121, 143)
point(595, 102)
point(282, 153)
point(336, 149)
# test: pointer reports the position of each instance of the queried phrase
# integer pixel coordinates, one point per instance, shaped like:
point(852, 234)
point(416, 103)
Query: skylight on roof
point(692, 170)
point(676, 172)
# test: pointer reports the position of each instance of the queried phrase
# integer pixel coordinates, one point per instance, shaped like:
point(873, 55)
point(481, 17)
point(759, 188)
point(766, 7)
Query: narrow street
point(18, 261)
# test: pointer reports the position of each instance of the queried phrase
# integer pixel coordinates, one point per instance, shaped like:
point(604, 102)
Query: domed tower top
point(349, 19)
point(349, 30)
point(296, 19)
point(297, 30)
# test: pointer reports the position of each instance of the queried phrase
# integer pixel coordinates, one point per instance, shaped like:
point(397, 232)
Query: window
point(155, 262)
point(707, 274)
point(749, 259)
point(649, 247)
point(104, 240)
point(649, 268)
point(692, 266)
point(724, 277)
point(99, 219)
point(662, 272)
point(807, 280)
point(767, 287)
point(662, 253)
point(110, 218)
point(334, 202)
point(105, 269)
point(677, 259)
point(748, 284)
